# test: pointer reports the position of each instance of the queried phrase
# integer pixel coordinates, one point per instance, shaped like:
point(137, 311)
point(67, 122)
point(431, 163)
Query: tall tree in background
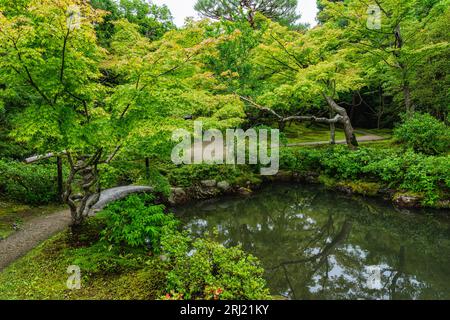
point(305, 75)
point(153, 20)
point(391, 46)
point(282, 11)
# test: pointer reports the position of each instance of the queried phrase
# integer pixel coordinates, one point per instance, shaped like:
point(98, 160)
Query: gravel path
point(366, 138)
point(40, 229)
point(31, 235)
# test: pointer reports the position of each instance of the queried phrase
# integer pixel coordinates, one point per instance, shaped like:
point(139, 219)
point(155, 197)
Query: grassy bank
point(141, 257)
point(42, 274)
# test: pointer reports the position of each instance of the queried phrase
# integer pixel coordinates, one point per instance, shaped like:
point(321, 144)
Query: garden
point(93, 207)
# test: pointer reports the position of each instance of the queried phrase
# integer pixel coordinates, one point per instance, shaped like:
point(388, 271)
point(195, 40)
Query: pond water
point(316, 244)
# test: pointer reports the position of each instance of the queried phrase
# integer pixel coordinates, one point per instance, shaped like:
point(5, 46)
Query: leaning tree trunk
point(341, 117)
point(350, 136)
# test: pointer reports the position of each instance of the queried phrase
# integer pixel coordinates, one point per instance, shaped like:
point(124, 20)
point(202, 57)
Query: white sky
point(182, 9)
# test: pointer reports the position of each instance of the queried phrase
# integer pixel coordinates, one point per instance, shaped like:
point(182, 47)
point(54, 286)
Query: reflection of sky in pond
point(320, 245)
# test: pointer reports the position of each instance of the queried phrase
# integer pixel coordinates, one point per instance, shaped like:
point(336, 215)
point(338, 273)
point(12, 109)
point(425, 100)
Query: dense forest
point(92, 91)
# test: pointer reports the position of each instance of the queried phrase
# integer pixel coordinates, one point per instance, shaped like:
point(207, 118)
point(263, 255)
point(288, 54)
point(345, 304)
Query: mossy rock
point(370, 189)
point(408, 200)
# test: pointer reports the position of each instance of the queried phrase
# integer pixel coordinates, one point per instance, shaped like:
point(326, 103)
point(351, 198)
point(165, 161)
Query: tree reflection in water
point(315, 244)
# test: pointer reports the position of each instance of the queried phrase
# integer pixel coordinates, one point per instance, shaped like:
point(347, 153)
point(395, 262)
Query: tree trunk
point(332, 131)
point(281, 125)
point(381, 111)
point(406, 88)
point(350, 136)
point(81, 204)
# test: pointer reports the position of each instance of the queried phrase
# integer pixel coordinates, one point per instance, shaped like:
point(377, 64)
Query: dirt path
point(37, 230)
point(366, 138)
point(31, 235)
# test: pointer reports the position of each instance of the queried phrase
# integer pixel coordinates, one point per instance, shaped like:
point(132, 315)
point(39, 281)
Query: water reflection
point(320, 245)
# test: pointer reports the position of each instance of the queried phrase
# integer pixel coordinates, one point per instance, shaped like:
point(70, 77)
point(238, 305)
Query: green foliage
point(153, 20)
point(409, 171)
point(31, 184)
point(136, 222)
point(414, 172)
point(283, 11)
point(186, 176)
point(300, 160)
point(338, 162)
point(100, 258)
point(41, 274)
point(204, 269)
point(424, 133)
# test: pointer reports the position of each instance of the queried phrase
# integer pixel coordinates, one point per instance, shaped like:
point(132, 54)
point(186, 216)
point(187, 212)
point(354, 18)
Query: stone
point(203, 192)
point(407, 201)
point(244, 191)
point(178, 196)
point(224, 186)
point(209, 183)
point(443, 204)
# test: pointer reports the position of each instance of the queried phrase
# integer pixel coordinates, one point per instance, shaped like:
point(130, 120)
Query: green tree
point(52, 61)
point(153, 20)
point(391, 46)
point(302, 73)
point(283, 11)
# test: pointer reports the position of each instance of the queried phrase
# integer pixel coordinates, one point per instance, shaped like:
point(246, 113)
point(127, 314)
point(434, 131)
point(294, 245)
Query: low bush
point(409, 171)
point(204, 269)
point(186, 176)
point(100, 258)
point(30, 184)
point(425, 134)
point(300, 160)
point(136, 222)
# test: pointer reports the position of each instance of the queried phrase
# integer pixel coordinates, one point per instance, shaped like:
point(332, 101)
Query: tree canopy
point(282, 11)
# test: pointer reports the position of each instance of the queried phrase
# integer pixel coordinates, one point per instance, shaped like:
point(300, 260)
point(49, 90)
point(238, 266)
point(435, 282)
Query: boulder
point(224, 186)
point(407, 201)
point(178, 196)
point(244, 191)
point(209, 183)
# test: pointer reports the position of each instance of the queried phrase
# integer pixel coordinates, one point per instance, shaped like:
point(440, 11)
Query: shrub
point(414, 172)
point(31, 184)
point(407, 171)
point(302, 160)
point(136, 222)
point(425, 134)
point(429, 176)
point(100, 258)
point(204, 269)
point(186, 176)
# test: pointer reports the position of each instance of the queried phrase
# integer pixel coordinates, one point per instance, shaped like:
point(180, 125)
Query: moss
point(409, 194)
point(42, 274)
point(327, 181)
point(370, 189)
point(365, 188)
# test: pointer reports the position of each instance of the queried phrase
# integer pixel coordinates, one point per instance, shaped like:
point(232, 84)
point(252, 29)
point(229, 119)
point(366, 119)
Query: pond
point(317, 244)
